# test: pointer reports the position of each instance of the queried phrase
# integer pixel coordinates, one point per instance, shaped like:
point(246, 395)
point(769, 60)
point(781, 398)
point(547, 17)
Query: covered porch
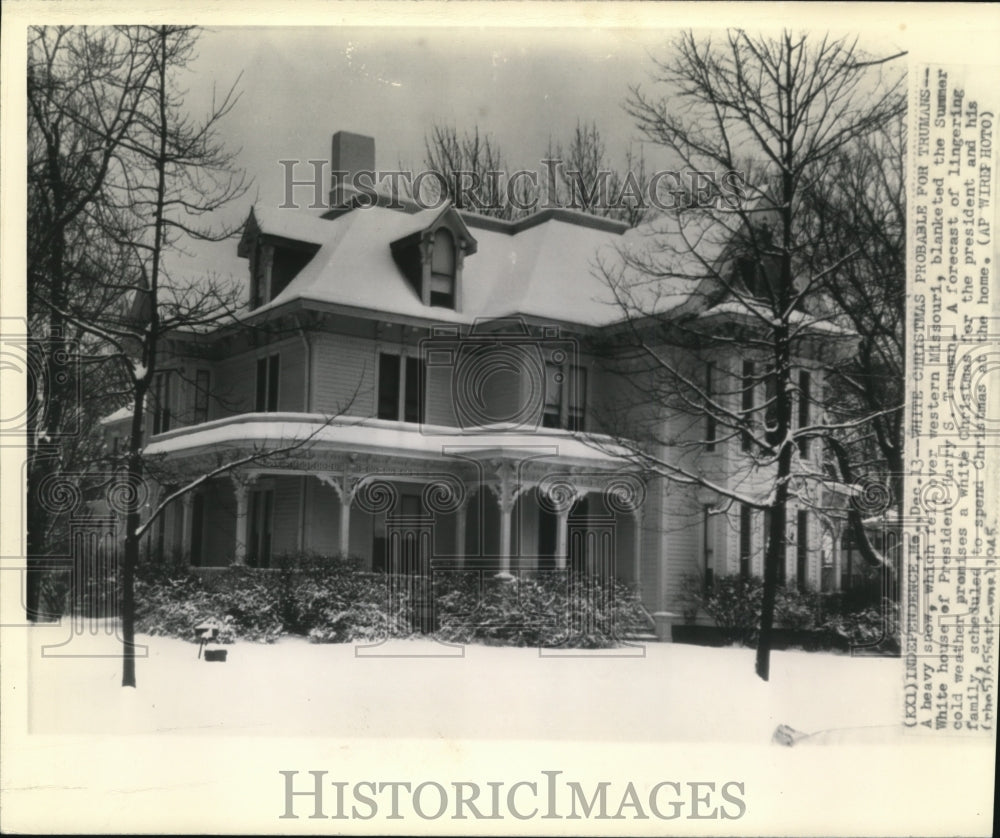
point(398, 496)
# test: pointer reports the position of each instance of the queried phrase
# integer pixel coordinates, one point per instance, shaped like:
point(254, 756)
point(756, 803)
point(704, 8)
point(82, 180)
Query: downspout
point(307, 399)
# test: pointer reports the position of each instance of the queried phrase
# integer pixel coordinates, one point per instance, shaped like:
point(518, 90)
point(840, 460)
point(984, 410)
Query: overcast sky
point(299, 85)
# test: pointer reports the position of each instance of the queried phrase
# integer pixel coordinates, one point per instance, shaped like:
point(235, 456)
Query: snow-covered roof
point(261, 431)
point(119, 415)
point(549, 266)
point(291, 224)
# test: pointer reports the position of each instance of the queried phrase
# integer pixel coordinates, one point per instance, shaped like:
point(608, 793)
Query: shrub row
point(544, 609)
point(734, 605)
point(333, 600)
point(329, 600)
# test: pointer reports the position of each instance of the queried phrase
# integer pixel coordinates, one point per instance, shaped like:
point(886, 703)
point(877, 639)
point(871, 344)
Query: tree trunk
point(130, 560)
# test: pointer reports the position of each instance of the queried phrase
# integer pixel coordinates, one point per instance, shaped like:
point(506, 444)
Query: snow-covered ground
point(671, 693)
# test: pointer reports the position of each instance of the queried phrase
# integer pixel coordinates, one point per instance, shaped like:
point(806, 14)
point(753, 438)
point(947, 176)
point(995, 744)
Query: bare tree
point(473, 172)
point(475, 175)
point(580, 176)
point(726, 303)
point(859, 208)
point(85, 88)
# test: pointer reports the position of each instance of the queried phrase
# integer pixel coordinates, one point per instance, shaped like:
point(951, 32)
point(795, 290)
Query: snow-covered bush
point(734, 603)
point(326, 599)
point(830, 619)
point(547, 609)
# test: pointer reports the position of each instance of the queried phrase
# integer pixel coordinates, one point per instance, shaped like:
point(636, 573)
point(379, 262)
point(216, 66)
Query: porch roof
point(298, 433)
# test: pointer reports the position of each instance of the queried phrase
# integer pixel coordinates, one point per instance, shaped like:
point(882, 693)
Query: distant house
point(432, 375)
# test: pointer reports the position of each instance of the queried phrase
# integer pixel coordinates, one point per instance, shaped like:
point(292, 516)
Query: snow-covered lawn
point(673, 693)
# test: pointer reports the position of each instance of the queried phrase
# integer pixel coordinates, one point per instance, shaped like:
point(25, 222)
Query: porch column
point(837, 558)
point(187, 504)
point(506, 490)
point(345, 523)
point(241, 483)
point(562, 537)
point(242, 536)
point(637, 548)
point(506, 508)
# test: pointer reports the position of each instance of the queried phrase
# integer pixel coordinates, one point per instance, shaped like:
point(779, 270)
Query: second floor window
point(201, 384)
point(267, 384)
point(565, 396)
point(400, 384)
point(161, 403)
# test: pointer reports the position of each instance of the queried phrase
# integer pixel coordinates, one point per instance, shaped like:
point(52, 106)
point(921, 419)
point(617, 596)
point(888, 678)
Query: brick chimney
point(349, 153)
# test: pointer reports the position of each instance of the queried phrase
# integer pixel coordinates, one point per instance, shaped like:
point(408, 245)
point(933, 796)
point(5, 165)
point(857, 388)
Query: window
point(805, 385)
point(260, 511)
point(161, 403)
point(746, 523)
point(400, 388)
point(201, 383)
point(747, 416)
point(708, 546)
point(565, 396)
point(267, 384)
point(750, 277)
point(801, 548)
point(710, 428)
point(443, 269)
point(848, 548)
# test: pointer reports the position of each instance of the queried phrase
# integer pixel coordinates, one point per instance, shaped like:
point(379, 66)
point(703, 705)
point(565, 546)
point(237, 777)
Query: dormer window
point(432, 258)
point(443, 269)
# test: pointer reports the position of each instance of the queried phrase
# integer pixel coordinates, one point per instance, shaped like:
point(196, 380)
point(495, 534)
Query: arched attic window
point(443, 269)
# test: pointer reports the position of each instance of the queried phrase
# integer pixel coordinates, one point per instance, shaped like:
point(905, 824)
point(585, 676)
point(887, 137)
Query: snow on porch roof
point(375, 436)
point(546, 266)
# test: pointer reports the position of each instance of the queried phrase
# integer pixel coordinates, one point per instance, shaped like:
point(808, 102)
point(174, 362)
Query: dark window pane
point(745, 540)
point(708, 542)
point(412, 397)
point(261, 402)
point(201, 384)
point(272, 384)
point(388, 386)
